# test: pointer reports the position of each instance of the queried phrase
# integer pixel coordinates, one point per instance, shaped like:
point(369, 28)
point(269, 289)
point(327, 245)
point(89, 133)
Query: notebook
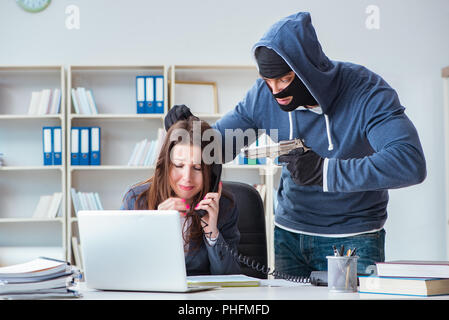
point(227, 280)
point(131, 250)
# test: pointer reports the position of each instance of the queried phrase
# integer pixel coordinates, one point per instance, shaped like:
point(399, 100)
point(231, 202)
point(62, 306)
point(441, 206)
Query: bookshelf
point(23, 177)
point(114, 90)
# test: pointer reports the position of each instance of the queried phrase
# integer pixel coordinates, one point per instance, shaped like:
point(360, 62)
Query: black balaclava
point(272, 66)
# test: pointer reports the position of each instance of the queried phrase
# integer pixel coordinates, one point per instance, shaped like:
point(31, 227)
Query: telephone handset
point(214, 183)
point(316, 278)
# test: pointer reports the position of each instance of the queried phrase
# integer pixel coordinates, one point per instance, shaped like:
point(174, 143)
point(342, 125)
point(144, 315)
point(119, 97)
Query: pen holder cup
point(342, 273)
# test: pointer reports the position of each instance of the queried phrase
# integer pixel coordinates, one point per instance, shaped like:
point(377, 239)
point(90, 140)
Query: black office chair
point(253, 243)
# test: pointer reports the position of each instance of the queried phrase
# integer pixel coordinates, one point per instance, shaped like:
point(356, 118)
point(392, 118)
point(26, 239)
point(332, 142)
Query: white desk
point(295, 292)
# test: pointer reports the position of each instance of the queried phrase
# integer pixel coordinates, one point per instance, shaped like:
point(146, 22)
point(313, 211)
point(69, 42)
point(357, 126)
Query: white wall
point(408, 50)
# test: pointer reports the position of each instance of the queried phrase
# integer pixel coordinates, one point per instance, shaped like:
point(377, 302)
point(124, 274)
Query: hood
point(295, 40)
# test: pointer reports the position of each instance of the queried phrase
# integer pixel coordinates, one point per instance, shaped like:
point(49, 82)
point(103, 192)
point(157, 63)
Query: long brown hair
point(160, 188)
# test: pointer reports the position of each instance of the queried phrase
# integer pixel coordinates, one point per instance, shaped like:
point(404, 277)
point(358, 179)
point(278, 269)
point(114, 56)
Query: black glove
point(306, 168)
point(176, 113)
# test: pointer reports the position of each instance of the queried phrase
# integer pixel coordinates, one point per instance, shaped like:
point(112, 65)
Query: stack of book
point(85, 200)
point(48, 206)
point(38, 279)
point(46, 101)
point(404, 277)
point(83, 101)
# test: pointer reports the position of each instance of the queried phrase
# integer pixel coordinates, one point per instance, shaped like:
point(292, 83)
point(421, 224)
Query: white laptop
point(133, 250)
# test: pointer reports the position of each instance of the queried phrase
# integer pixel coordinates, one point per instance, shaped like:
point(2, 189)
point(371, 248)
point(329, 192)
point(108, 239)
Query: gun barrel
point(274, 150)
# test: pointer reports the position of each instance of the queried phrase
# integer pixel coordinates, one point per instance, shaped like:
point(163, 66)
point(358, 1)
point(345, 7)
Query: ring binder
point(47, 141)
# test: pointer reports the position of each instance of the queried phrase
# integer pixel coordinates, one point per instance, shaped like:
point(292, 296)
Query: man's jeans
point(299, 254)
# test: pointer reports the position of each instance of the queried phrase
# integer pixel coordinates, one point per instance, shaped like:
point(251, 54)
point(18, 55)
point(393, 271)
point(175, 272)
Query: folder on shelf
point(159, 94)
point(75, 146)
point(95, 146)
point(84, 145)
point(140, 94)
point(149, 94)
point(57, 146)
point(47, 141)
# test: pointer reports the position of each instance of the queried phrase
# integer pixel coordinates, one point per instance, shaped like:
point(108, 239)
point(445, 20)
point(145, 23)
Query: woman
point(181, 182)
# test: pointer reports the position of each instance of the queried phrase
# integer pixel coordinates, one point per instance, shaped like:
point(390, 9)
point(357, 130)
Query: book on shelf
point(412, 286)
point(229, 280)
point(83, 101)
point(47, 101)
point(145, 152)
point(85, 200)
point(413, 268)
point(48, 206)
point(39, 278)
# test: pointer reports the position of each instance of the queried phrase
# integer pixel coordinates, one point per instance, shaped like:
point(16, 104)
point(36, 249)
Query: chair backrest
point(253, 240)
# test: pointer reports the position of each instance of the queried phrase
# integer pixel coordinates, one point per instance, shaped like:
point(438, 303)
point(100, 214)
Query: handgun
point(273, 150)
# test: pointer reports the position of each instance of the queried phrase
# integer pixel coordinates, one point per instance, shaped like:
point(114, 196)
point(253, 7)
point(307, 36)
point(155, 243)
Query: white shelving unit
point(114, 91)
point(23, 177)
point(445, 76)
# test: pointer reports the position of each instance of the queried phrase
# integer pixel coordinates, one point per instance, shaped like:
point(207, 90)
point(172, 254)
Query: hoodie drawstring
point(291, 126)
point(328, 131)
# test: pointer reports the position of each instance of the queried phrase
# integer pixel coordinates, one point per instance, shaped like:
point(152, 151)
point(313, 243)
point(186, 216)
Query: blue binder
point(84, 145)
point(74, 146)
point(140, 94)
point(95, 146)
point(57, 146)
point(47, 143)
point(149, 94)
point(159, 94)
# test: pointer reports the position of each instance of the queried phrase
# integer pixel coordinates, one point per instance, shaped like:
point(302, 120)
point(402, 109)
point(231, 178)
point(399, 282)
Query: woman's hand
point(210, 203)
point(178, 204)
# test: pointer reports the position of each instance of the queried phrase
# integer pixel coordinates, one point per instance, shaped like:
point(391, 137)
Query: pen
point(348, 253)
point(353, 252)
point(336, 254)
point(342, 250)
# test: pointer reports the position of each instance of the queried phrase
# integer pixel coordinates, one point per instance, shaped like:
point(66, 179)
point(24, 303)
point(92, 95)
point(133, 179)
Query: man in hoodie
point(361, 144)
